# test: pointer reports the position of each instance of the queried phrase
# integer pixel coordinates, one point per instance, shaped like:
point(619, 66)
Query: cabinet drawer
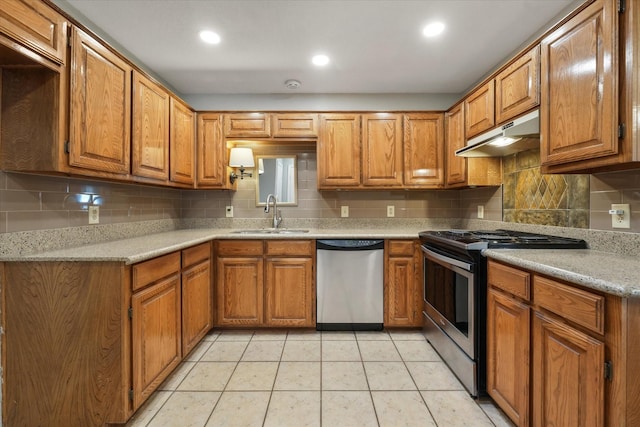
point(400, 247)
point(247, 125)
point(240, 247)
point(155, 269)
point(576, 305)
point(36, 25)
point(295, 125)
point(289, 247)
point(509, 279)
point(192, 255)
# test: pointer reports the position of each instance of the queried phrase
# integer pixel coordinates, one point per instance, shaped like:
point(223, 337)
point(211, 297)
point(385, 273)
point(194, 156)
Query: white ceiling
point(376, 46)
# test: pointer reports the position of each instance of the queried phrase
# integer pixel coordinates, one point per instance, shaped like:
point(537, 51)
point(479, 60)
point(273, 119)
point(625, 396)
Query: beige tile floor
point(331, 379)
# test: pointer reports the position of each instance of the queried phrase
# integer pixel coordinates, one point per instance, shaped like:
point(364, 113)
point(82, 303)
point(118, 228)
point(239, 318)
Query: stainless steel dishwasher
point(350, 276)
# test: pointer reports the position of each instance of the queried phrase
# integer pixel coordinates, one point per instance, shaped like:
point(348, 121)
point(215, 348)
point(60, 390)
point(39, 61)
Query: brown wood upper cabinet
point(424, 150)
point(579, 74)
point(182, 145)
point(150, 144)
point(294, 125)
point(339, 151)
point(249, 125)
point(518, 86)
point(479, 110)
point(462, 171)
point(382, 150)
point(100, 111)
point(212, 170)
point(35, 25)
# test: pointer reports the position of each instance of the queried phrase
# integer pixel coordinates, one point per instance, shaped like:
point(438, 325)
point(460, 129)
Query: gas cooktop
point(482, 239)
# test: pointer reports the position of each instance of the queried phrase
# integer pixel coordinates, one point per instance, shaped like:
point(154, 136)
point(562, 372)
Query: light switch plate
point(391, 211)
point(480, 211)
point(344, 211)
point(229, 211)
point(621, 221)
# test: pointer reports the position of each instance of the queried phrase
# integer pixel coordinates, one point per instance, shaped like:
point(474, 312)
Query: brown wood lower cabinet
point(559, 354)
point(265, 283)
point(402, 301)
point(97, 338)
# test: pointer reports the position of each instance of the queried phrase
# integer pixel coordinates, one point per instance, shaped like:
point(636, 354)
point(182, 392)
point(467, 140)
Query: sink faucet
point(277, 216)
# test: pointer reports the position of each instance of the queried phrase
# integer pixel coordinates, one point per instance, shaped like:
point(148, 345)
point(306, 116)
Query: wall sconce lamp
point(240, 158)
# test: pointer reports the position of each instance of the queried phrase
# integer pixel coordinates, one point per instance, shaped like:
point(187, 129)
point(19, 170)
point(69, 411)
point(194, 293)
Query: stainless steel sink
point(271, 231)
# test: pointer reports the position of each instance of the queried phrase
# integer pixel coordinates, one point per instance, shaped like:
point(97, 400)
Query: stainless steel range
point(455, 293)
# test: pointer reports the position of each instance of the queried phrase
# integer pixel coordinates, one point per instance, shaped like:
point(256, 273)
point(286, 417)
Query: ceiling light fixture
point(433, 29)
point(209, 37)
point(320, 60)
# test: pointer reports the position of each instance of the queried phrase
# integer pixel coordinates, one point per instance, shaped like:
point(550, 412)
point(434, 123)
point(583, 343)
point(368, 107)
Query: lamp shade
point(241, 157)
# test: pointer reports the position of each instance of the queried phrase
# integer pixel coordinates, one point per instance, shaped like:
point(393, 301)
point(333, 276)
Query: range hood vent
point(519, 135)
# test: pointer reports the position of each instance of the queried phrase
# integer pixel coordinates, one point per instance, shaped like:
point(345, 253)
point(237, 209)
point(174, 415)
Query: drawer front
point(240, 247)
point(290, 247)
point(509, 279)
point(195, 254)
point(576, 305)
point(247, 125)
point(36, 25)
point(295, 125)
point(400, 247)
point(155, 269)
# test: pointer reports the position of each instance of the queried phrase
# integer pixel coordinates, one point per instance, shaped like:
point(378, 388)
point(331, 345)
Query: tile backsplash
point(529, 197)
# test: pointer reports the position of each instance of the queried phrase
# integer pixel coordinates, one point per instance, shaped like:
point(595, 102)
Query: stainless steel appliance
point(349, 284)
point(455, 293)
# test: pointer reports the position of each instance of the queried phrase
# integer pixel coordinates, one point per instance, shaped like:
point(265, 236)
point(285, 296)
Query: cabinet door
point(182, 145)
point(256, 125)
point(197, 316)
point(240, 291)
point(212, 152)
point(150, 144)
point(579, 70)
point(100, 112)
point(292, 125)
point(339, 151)
point(424, 150)
point(36, 25)
point(400, 298)
point(289, 292)
point(568, 379)
point(382, 150)
point(518, 86)
point(156, 338)
point(479, 110)
point(454, 133)
point(508, 327)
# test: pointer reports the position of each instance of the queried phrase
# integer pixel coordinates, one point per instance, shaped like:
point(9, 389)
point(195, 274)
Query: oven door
point(449, 288)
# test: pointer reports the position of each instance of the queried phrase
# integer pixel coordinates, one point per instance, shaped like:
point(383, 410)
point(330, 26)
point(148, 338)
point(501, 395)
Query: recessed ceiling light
point(209, 37)
point(320, 60)
point(433, 29)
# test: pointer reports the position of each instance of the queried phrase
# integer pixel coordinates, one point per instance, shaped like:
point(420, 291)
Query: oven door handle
point(447, 260)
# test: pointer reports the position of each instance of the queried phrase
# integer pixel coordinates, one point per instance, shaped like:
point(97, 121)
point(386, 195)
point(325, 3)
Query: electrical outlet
point(344, 211)
point(391, 211)
point(480, 211)
point(229, 211)
point(620, 220)
point(94, 214)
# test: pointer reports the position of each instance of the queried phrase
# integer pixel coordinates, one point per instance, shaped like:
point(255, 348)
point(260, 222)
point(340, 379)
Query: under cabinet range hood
point(518, 135)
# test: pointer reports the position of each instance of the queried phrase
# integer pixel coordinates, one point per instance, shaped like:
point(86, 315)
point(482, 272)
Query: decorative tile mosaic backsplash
point(530, 197)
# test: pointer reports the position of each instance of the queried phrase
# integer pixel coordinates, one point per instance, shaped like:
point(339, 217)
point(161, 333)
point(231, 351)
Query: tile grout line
point(366, 377)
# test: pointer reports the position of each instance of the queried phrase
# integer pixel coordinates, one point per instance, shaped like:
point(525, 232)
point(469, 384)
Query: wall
point(615, 187)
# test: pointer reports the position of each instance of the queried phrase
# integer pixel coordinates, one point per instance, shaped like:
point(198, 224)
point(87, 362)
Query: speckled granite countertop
point(612, 273)
point(138, 249)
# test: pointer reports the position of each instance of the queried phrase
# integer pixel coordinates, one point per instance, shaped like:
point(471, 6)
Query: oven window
point(448, 292)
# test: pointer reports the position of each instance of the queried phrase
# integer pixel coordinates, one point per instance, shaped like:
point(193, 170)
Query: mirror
point(277, 175)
